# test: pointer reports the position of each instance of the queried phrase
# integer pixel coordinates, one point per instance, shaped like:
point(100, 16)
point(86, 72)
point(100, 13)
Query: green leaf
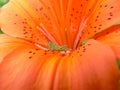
point(118, 61)
point(3, 2)
point(1, 32)
point(54, 47)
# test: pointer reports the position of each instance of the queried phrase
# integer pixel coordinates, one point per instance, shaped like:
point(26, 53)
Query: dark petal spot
point(99, 28)
point(36, 9)
point(97, 16)
point(30, 57)
point(41, 8)
point(16, 15)
point(36, 49)
point(88, 44)
point(106, 5)
point(111, 7)
point(71, 14)
point(30, 51)
point(73, 9)
point(34, 53)
point(95, 20)
point(83, 51)
point(89, 9)
point(80, 54)
point(26, 37)
point(91, 27)
point(109, 18)
point(111, 14)
point(100, 5)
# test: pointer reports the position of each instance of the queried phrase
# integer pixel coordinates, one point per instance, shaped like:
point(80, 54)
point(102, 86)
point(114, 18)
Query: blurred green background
point(2, 2)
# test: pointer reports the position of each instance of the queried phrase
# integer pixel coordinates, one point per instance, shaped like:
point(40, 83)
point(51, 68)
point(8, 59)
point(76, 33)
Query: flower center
point(55, 46)
point(52, 45)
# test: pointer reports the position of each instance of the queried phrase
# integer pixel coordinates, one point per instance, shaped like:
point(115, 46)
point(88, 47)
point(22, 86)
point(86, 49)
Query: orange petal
point(19, 69)
point(28, 68)
point(61, 21)
point(20, 62)
point(8, 44)
point(111, 36)
point(104, 14)
point(91, 67)
point(31, 20)
point(76, 13)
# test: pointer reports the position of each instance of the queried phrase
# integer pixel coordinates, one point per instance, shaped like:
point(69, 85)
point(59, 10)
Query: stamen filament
point(41, 47)
point(81, 27)
point(46, 33)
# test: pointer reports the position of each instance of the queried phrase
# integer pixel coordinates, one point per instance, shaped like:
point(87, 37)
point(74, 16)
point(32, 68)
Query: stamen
point(41, 47)
point(46, 33)
point(81, 27)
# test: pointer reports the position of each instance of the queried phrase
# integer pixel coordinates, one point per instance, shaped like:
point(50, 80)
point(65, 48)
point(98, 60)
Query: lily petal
point(90, 58)
point(75, 18)
point(111, 36)
point(6, 47)
point(29, 68)
point(60, 21)
point(30, 20)
point(22, 61)
point(104, 14)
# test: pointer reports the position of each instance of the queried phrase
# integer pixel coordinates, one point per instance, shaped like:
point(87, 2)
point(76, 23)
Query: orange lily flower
point(41, 48)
